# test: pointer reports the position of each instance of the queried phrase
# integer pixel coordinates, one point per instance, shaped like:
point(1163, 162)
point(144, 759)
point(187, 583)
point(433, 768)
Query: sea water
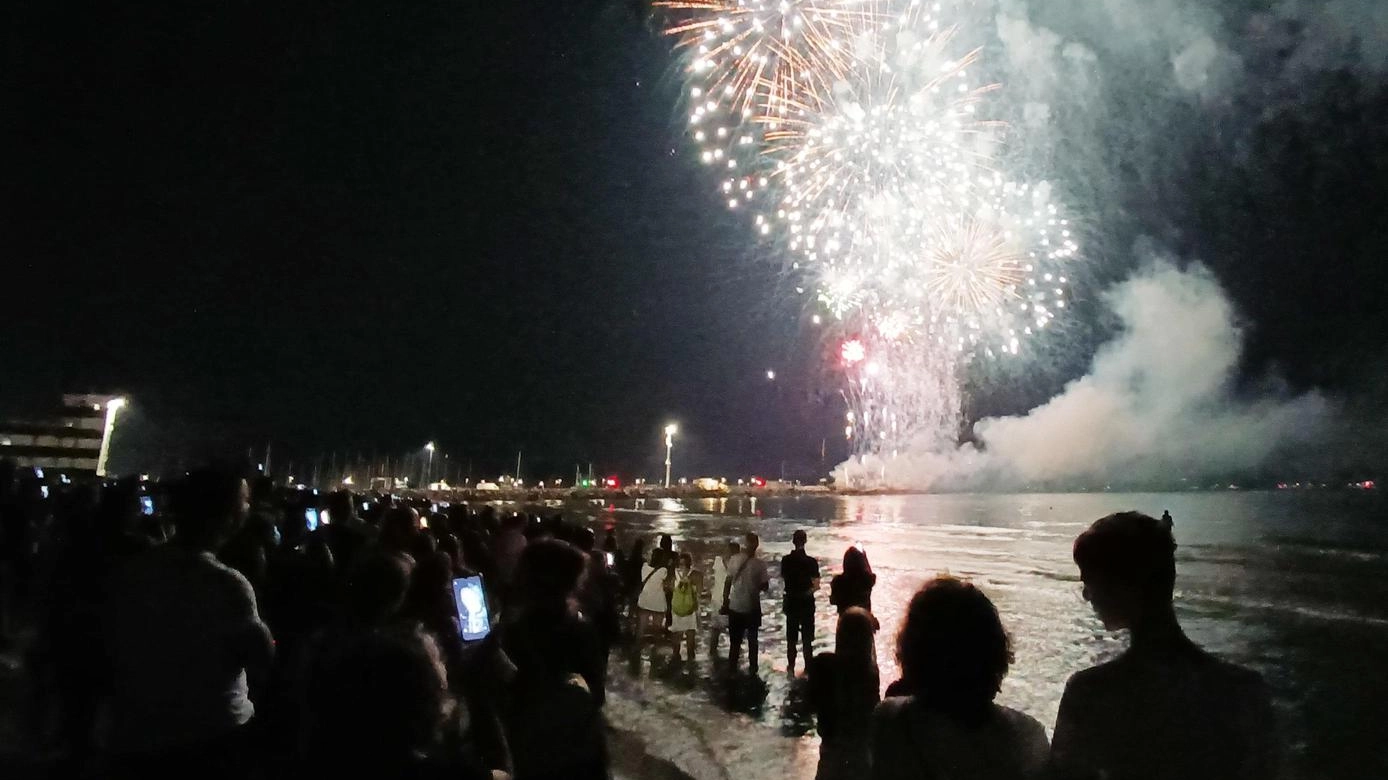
point(1291, 583)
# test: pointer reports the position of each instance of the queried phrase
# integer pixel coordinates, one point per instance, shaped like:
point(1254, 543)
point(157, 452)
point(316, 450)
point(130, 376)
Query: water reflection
point(1289, 584)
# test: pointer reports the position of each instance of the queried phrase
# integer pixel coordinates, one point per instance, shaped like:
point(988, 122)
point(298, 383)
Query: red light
point(852, 351)
point(758, 482)
point(611, 482)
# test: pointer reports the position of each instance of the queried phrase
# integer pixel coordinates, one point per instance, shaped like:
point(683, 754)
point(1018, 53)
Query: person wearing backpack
point(684, 605)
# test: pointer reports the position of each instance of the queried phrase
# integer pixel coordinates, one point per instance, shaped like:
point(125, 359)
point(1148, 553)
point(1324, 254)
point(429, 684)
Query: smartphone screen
point(611, 560)
point(471, 600)
point(43, 491)
point(366, 506)
point(311, 517)
point(325, 517)
point(146, 505)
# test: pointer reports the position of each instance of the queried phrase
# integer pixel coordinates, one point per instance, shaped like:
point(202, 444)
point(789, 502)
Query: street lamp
point(670, 431)
point(429, 471)
point(112, 406)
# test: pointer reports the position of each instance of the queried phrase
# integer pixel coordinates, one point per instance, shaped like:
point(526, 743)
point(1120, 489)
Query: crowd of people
point(240, 629)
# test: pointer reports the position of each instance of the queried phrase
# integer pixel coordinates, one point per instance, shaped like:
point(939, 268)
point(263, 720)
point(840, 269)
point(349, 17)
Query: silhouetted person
point(186, 644)
point(377, 705)
point(399, 531)
point(747, 578)
point(429, 601)
point(800, 573)
point(347, 534)
point(1164, 708)
point(953, 654)
point(844, 688)
point(552, 709)
point(597, 596)
point(506, 550)
point(853, 586)
point(1166, 519)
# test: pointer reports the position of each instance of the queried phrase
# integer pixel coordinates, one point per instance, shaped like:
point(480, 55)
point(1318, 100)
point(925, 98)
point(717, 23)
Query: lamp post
point(112, 406)
point(670, 431)
point(429, 470)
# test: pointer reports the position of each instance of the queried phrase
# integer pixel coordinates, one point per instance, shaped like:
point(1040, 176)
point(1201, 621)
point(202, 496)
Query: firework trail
point(853, 133)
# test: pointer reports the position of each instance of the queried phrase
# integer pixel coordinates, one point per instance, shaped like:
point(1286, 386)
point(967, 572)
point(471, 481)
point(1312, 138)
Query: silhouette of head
point(342, 507)
point(667, 543)
point(399, 528)
point(1127, 563)
point(733, 547)
point(753, 542)
point(585, 539)
point(952, 649)
point(430, 583)
point(375, 700)
point(853, 640)
point(686, 561)
point(376, 587)
point(798, 539)
point(211, 507)
point(855, 562)
point(548, 574)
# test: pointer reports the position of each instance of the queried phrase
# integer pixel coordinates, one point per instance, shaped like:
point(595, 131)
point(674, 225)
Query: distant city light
point(770, 374)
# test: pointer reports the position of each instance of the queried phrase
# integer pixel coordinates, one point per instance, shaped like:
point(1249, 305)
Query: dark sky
point(359, 226)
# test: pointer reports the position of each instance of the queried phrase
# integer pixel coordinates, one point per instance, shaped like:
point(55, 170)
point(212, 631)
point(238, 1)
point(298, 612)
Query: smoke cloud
point(1158, 404)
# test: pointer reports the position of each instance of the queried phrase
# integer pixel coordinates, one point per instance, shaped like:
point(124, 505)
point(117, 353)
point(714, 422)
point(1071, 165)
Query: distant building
point(75, 441)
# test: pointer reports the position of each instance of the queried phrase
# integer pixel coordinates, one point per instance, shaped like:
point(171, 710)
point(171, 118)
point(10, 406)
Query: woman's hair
point(952, 649)
point(853, 645)
point(686, 560)
point(548, 573)
point(855, 562)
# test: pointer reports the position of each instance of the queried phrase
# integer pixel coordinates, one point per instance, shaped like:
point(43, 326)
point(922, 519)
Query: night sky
point(357, 227)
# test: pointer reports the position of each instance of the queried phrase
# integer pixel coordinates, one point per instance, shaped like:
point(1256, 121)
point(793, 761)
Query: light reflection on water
point(1291, 584)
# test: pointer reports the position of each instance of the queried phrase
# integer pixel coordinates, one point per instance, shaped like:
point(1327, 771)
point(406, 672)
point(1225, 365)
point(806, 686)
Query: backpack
point(684, 600)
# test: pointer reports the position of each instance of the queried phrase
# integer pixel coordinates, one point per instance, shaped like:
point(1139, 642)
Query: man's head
point(733, 547)
point(1127, 562)
point(211, 506)
point(342, 507)
point(798, 539)
point(753, 542)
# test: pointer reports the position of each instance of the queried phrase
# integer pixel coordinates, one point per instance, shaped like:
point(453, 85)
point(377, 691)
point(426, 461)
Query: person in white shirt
point(650, 604)
point(747, 579)
point(718, 596)
point(186, 644)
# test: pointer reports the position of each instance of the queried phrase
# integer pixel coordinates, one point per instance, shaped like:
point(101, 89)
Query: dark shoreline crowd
point(230, 628)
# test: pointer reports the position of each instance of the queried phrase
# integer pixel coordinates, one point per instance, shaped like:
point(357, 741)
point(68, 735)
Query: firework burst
point(856, 135)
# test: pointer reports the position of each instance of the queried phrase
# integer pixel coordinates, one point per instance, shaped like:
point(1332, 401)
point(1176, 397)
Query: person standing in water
point(684, 605)
point(718, 601)
point(800, 573)
point(747, 579)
